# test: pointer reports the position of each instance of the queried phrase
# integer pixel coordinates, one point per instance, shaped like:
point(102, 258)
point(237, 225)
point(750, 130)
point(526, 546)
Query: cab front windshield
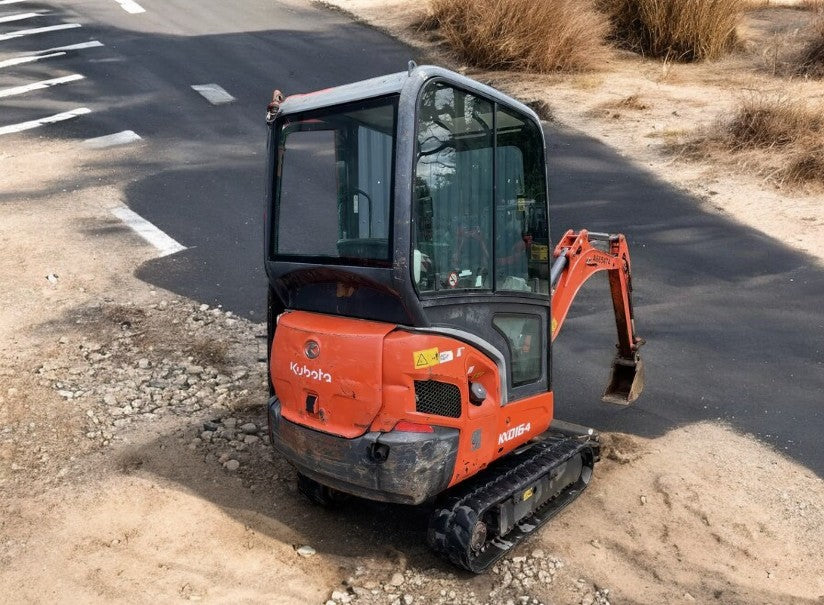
point(479, 196)
point(333, 185)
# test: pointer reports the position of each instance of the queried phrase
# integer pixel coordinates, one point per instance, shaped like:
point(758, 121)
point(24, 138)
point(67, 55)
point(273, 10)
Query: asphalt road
point(734, 319)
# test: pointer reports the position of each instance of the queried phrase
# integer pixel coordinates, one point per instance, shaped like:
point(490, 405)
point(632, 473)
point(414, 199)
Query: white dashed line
point(110, 140)
point(57, 51)
point(130, 6)
point(19, 17)
point(19, 90)
point(12, 1)
point(37, 30)
point(29, 59)
point(164, 244)
point(80, 46)
point(58, 117)
point(213, 93)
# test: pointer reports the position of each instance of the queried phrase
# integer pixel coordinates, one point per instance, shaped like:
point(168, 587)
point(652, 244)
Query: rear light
point(413, 427)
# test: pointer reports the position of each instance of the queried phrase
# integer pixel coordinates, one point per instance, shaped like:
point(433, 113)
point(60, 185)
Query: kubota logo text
point(306, 372)
point(515, 431)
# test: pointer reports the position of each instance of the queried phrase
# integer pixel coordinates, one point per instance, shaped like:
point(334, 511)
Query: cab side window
point(523, 334)
point(521, 226)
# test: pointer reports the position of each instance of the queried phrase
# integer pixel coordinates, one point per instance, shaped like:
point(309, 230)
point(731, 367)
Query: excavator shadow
point(262, 494)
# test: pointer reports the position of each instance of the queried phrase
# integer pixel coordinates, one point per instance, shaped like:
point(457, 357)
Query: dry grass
point(631, 102)
point(210, 351)
point(542, 108)
point(684, 30)
point(126, 317)
point(811, 60)
point(793, 4)
point(762, 123)
point(805, 167)
point(544, 36)
point(615, 108)
point(783, 137)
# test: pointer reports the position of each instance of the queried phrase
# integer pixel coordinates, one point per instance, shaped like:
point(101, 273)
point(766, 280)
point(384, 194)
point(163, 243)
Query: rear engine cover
point(327, 371)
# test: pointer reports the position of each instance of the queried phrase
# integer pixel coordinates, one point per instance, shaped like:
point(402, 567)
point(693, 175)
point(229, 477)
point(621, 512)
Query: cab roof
point(410, 81)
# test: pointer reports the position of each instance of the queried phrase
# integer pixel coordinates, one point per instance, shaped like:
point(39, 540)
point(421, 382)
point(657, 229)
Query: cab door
point(480, 231)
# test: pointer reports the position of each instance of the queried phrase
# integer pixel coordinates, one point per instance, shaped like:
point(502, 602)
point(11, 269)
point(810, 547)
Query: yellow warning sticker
point(539, 252)
point(528, 494)
point(426, 358)
point(554, 325)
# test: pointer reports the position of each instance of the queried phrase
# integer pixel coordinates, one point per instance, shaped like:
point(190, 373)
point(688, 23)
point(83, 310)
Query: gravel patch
point(532, 579)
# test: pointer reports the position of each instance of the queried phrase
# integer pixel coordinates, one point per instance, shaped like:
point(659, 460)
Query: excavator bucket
point(625, 382)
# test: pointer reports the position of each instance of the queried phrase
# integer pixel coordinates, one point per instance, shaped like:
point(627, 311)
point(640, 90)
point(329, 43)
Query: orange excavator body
point(368, 385)
point(413, 301)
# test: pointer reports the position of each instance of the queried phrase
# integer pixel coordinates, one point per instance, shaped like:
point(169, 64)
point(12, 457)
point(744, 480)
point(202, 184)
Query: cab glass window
point(453, 191)
point(334, 183)
point(479, 200)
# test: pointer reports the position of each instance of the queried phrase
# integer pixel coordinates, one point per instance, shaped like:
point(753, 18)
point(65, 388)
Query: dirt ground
point(134, 465)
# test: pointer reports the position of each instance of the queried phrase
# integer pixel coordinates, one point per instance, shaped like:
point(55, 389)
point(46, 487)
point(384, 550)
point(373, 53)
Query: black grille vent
point(439, 398)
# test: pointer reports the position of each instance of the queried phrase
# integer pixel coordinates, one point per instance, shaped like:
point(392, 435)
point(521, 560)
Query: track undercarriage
point(479, 521)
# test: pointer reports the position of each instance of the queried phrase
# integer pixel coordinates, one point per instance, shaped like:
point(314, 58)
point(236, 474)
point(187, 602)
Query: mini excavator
point(413, 301)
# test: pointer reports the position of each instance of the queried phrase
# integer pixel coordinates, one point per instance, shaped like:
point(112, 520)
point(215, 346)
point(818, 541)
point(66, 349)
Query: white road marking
point(58, 117)
point(37, 30)
point(11, 1)
point(19, 90)
point(110, 140)
point(130, 6)
point(20, 17)
point(29, 59)
point(80, 46)
point(213, 93)
point(164, 244)
point(47, 53)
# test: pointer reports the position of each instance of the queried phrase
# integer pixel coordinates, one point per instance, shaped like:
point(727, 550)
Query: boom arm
point(576, 260)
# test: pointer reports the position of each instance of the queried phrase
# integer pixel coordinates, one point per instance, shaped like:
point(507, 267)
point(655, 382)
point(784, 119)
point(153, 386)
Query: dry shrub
point(542, 35)
point(762, 122)
point(805, 167)
point(782, 136)
point(684, 30)
point(811, 60)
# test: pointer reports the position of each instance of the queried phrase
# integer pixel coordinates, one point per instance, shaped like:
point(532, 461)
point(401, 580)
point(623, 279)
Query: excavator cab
point(410, 298)
point(425, 205)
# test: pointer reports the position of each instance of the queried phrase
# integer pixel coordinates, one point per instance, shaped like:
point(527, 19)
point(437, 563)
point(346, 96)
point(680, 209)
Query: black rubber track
point(452, 523)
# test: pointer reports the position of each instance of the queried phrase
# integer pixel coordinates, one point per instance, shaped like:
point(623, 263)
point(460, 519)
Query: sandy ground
point(700, 512)
point(732, 523)
point(673, 102)
point(97, 510)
